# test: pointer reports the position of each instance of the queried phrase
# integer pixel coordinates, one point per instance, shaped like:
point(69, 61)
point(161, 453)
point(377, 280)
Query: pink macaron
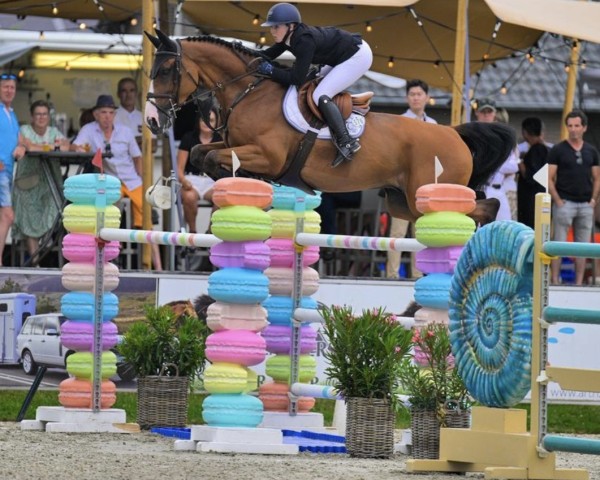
point(241, 347)
point(80, 247)
point(283, 251)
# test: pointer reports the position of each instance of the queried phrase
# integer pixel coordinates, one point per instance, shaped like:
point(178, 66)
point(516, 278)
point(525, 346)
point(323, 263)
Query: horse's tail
point(490, 145)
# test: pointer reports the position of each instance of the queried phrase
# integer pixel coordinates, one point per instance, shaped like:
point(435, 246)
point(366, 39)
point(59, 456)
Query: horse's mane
point(235, 46)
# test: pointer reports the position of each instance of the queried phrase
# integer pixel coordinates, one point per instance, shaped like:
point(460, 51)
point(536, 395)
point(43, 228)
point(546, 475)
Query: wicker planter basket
point(369, 428)
point(162, 401)
point(425, 428)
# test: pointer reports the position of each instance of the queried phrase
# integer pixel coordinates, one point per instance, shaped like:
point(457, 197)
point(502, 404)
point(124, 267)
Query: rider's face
point(279, 31)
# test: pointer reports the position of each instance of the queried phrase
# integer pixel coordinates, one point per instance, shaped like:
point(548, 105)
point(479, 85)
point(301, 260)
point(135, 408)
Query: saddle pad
point(355, 123)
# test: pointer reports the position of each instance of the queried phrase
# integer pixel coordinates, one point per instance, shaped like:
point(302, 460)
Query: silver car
point(39, 343)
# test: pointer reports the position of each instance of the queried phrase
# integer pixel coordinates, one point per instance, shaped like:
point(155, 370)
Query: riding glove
point(265, 68)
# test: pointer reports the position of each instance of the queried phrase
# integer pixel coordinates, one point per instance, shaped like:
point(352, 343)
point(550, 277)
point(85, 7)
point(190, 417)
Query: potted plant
point(365, 353)
point(437, 395)
point(167, 352)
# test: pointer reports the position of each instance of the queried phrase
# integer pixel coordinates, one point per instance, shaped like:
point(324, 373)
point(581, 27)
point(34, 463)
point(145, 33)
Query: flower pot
point(162, 401)
point(369, 428)
point(425, 427)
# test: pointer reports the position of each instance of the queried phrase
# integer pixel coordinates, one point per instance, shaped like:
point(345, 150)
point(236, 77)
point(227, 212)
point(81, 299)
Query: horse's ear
point(166, 41)
point(155, 41)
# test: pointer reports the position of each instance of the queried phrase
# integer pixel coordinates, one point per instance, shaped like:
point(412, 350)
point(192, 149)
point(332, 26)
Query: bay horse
point(397, 153)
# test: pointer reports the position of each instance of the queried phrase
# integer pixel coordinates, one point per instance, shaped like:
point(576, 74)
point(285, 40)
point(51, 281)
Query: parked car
point(39, 343)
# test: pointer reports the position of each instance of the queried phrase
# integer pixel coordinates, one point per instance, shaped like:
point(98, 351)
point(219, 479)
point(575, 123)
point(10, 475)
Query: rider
point(345, 55)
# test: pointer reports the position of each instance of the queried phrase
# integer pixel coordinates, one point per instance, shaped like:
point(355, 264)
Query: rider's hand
point(265, 68)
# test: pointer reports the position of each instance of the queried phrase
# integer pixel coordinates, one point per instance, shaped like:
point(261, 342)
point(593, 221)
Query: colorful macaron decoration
point(231, 316)
point(89, 194)
point(80, 247)
point(82, 276)
point(241, 223)
point(254, 255)
point(281, 281)
point(283, 252)
point(236, 318)
point(232, 191)
point(79, 336)
point(232, 410)
point(242, 347)
point(238, 285)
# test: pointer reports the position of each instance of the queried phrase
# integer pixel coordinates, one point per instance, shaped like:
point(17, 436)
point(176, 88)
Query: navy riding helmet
point(281, 14)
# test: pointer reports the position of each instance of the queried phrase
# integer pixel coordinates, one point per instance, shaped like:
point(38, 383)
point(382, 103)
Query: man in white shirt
point(503, 180)
point(417, 96)
point(127, 114)
point(125, 160)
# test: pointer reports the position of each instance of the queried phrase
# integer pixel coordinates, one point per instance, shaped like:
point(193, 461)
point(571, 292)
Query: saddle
point(347, 103)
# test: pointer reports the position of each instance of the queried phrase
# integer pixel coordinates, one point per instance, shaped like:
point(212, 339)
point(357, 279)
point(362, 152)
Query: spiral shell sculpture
point(490, 313)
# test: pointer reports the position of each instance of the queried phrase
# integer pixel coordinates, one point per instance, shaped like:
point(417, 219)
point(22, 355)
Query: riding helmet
point(282, 13)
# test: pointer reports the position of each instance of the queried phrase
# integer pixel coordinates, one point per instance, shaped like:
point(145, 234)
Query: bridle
point(203, 99)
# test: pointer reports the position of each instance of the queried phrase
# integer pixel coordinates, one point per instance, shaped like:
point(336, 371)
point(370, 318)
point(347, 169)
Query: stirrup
point(345, 152)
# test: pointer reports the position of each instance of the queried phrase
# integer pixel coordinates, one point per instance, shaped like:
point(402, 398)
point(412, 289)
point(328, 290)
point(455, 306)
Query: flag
point(97, 160)
point(438, 168)
point(235, 163)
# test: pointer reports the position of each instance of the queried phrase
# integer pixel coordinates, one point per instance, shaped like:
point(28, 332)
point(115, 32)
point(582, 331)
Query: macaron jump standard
point(239, 287)
point(89, 194)
point(444, 228)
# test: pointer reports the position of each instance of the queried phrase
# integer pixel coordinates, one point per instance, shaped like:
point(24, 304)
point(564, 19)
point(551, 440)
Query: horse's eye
point(164, 72)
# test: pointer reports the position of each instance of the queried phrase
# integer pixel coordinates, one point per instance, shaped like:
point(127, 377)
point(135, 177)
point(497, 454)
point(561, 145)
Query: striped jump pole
point(359, 243)
point(159, 238)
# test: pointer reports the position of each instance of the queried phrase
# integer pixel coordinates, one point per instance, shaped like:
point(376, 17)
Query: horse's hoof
point(197, 157)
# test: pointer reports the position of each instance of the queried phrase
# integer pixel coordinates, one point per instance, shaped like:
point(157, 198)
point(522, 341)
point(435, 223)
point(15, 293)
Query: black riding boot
point(345, 144)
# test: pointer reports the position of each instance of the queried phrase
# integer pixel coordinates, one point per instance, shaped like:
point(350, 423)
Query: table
point(81, 159)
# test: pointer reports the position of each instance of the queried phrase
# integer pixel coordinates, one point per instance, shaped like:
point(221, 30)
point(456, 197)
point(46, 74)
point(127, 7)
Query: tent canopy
point(396, 38)
point(400, 45)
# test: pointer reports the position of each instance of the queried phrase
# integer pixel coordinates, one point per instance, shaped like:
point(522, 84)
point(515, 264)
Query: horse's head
point(163, 98)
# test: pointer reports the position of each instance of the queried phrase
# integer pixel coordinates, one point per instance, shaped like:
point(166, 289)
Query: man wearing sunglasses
point(12, 149)
point(574, 183)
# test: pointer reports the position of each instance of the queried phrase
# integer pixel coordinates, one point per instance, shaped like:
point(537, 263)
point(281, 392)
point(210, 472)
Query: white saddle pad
point(355, 122)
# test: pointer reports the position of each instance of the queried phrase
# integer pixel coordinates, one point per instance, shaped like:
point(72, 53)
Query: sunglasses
point(8, 76)
point(578, 157)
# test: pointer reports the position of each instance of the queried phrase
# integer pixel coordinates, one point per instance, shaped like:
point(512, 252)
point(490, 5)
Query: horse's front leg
point(252, 159)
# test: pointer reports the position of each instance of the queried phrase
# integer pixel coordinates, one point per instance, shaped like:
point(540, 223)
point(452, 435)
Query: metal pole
point(147, 157)
point(459, 62)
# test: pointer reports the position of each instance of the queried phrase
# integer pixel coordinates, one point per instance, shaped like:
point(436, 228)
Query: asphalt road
point(13, 377)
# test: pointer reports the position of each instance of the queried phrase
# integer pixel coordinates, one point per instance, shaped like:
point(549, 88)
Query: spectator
point(417, 97)
point(127, 114)
point(194, 185)
point(509, 183)
point(35, 210)
point(330, 202)
point(534, 158)
point(124, 159)
point(574, 183)
point(12, 148)
point(496, 184)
